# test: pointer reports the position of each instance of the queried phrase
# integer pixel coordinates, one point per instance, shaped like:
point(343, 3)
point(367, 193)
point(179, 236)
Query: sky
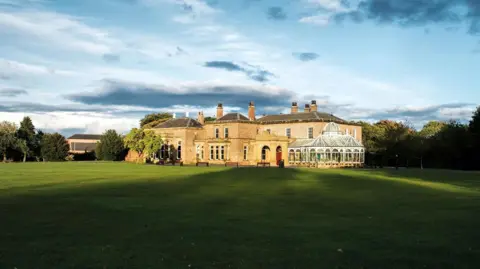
point(91, 65)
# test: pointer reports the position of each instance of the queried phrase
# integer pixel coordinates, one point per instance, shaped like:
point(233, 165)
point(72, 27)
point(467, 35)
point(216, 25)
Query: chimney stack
point(251, 111)
point(294, 107)
point(201, 118)
point(307, 108)
point(219, 110)
point(313, 106)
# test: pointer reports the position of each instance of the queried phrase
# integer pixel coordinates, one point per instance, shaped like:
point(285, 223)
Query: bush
point(54, 147)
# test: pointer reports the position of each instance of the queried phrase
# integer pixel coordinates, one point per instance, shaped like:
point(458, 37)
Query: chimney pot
point(314, 107)
point(294, 108)
point(307, 108)
point(219, 110)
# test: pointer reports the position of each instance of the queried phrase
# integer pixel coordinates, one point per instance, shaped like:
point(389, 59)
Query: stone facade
point(234, 137)
point(82, 143)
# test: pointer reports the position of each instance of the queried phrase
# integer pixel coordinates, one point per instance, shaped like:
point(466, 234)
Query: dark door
point(279, 155)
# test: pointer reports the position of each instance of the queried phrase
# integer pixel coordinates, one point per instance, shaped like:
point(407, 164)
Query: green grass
point(118, 215)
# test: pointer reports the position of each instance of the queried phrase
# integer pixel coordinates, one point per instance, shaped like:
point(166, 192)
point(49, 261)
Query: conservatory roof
point(327, 141)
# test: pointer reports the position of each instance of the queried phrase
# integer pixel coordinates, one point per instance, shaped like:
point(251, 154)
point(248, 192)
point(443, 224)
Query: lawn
point(118, 215)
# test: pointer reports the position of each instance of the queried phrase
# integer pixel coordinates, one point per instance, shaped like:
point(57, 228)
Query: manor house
point(307, 137)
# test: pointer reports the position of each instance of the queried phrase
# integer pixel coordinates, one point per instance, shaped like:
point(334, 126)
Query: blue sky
point(87, 66)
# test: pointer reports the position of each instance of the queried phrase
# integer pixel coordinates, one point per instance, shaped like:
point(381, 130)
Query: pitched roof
point(326, 141)
point(86, 136)
point(301, 116)
point(232, 117)
point(179, 123)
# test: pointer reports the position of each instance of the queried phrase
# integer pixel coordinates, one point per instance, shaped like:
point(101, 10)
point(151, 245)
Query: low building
point(247, 140)
point(82, 143)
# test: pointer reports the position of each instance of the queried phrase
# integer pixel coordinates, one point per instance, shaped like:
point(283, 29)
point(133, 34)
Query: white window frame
point(288, 132)
point(308, 132)
point(217, 152)
point(222, 152)
point(212, 151)
point(217, 133)
point(179, 152)
point(225, 132)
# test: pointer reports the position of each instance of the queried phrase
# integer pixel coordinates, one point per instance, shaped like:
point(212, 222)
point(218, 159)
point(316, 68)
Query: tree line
point(439, 144)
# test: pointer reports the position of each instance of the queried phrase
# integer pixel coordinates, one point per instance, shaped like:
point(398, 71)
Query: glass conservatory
point(331, 148)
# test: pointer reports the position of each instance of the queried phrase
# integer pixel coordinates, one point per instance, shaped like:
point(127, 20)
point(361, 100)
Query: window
point(211, 152)
point(198, 152)
point(245, 152)
point(288, 132)
point(268, 130)
point(225, 132)
point(310, 132)
point(179, 150)
point(216, 153)
point(222, 153)
point(216, 133)
point(201, 153)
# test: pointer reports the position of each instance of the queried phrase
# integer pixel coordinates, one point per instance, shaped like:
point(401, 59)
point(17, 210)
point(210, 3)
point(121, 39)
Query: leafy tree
point(210, 119)
point(134, 140)
point(474, 125)
point(54, 147)
point(37, 145)
point(154, 117)
point(23, 147)
point(432, 128)
point(7, 137)
point(152, 142)
point(111, 145)
point(26, 132)
point(99, 151)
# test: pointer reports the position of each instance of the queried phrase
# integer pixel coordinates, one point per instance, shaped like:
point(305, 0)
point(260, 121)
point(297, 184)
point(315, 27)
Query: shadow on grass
point(239, 218)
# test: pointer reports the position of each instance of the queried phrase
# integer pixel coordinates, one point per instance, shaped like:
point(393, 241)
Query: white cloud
point(60, 29)
point(14, 68)
point(332, 5)
point(321, 20)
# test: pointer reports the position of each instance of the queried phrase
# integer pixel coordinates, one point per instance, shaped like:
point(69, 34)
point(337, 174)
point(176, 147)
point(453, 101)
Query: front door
point(279, 155)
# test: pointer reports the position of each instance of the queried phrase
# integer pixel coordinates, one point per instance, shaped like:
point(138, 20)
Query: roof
point(86, 136)
point(179, 123)
point(232, 117)
point(301, 116)
point(327, 141)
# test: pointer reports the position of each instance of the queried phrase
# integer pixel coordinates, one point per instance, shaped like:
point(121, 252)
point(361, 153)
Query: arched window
point(291, 155)
point(335, 155)
point(349, 156)
point(297, 155)
point(356, 156)
point(265, 151)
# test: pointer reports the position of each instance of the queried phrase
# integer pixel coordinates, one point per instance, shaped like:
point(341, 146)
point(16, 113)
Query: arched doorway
point(279, 154)
point(265, 153)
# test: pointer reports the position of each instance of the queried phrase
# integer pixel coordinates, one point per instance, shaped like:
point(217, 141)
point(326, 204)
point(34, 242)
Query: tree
point(37, 145)
point(26, 133)
point(7, 137)
point(54, 147)
point(210, 119)
point(98, 151)
point(432, 128)
point(154, 118)
point(111, 145)
point(23, 147)
point(134, 140)
point(152, 142)
point(474, 125)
